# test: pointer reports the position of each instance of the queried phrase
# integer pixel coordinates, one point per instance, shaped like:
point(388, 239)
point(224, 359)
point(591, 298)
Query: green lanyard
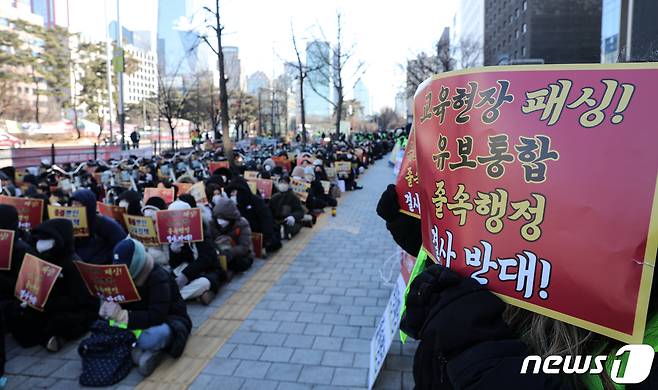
point(419, 267)
point(123, 325)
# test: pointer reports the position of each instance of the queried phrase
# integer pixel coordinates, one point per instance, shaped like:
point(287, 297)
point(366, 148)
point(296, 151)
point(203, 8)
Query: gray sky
point(385, 32)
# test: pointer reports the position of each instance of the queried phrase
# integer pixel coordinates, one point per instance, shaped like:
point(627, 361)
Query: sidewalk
point(302, 319)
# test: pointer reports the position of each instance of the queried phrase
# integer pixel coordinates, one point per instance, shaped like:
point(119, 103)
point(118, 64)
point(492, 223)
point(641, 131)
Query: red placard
point(141, 229)
point(183, 187)
point(257, 242)
point(215, 165)
point(408, 183)
point(77, 216)
point(109, 282)
point(35, 281)
point(30, 211)
point(540, 182)
point(6, 248)
point(111, 211)
point(179, 225)
point(167, 194)
point(282, 162)
point(264, 186)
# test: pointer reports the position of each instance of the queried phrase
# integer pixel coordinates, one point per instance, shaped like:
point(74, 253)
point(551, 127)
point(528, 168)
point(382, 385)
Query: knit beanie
point(131, 253)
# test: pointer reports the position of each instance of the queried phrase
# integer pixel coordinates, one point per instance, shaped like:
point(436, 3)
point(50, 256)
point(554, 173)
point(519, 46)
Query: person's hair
point(546, 336)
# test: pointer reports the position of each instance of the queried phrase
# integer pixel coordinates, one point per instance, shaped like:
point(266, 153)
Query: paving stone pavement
point(312, 329)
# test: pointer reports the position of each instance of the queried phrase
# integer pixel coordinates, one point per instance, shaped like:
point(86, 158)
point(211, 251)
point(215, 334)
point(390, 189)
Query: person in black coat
point(254, 210)
point(104, 232)
point(161, 313)
point(195, 265)
point(9, 221)
point(70, 308)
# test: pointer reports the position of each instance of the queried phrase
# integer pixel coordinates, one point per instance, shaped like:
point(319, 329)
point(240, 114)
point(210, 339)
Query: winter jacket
point(104, 232)
point(161, 303)
point(284, 204)
point(236, 237)
point(253, 209)
point(9, 221)
point(70, 308)
point(202, 261)
point(464, 342)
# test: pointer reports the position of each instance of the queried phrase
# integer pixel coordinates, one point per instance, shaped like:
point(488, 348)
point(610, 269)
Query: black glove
point(388, 206)
point(452, 313)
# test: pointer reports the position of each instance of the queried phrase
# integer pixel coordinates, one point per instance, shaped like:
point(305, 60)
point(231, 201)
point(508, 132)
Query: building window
point(516, 12)
point(525, 5)
point(516, 34)
point(511, 19)
point(525, 28)
point(523, 51)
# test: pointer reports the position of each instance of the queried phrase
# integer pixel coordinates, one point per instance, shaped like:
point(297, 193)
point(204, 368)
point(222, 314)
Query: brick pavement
point(313, 327)
point(301, 320)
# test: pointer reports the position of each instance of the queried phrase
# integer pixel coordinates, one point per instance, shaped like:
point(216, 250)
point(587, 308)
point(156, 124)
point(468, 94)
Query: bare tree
point(173, 100)
point(302, 72)
point(469, 52)
point(336, 60)
point(223, 94)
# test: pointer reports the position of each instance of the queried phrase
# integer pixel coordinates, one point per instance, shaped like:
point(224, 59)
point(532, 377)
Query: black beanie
point(156, 201)
point(189, 199)
point(8, 217)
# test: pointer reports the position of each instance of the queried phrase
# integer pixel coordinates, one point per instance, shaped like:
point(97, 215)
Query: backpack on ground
point(105, 355)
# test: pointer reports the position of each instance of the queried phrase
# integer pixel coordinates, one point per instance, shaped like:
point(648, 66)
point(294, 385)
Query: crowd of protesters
point(166, 275)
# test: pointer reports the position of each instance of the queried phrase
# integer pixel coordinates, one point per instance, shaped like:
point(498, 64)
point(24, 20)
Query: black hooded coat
point(70, 308)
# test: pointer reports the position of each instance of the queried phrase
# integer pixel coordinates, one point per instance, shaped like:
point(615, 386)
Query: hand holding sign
point(111, 283)
point(30, 211)
point(6, 248)
point(179, 225)
point(36, 279)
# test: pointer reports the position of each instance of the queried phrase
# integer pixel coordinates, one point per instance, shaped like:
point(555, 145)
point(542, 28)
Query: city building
point(232, 68)
point(143, 83)
point(629, 31)
point(53, 12)
point(531, 31)
point(362, 95)
point(467, 34)
point(256, 82)
point(139, 39)
point(177, 40)
point(21, 97)
point(317, 85)
point(401, 104)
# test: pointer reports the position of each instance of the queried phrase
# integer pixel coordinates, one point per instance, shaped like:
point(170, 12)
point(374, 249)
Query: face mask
point(216, 199)
point(268, 168)
point(150, 213)
point(349, 156)
point(222, 222)
point(45, 245)
point(234, 199)
point(124, 204)
point(282, 187)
